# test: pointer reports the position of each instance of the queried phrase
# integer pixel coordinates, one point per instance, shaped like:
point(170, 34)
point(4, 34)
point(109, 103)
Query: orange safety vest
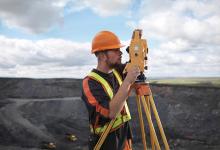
point(120, 119)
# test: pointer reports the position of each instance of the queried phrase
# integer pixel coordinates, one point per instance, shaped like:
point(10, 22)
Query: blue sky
point(52, 39)
point(78, 26)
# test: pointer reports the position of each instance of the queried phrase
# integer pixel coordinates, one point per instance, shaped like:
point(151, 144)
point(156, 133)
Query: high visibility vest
point(120, 119)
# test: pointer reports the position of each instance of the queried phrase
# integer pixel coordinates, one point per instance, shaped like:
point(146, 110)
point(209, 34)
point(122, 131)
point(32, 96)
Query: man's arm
point(118, 101)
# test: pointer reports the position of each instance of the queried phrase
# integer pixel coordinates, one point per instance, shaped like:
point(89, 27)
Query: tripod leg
point(104, 135)
point(152, 130)
point(151, 133)
point(141, 122)
point(159, 123)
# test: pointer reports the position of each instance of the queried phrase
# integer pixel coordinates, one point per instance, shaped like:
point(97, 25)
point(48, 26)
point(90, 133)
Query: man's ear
point(104, 56)
point(101, 56)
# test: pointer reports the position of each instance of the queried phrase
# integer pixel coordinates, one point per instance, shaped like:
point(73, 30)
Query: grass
point(193, 81)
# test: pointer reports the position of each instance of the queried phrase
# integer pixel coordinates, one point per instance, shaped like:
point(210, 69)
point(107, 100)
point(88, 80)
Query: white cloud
point(44, 58)
point(50, 58)
point(182, 19)
point(31, 15)
point(103, 8)
point(39, 16)
point(185, 36)
point(176, 45)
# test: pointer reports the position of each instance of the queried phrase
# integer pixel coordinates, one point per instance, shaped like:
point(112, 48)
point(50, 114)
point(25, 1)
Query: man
point(105, 93)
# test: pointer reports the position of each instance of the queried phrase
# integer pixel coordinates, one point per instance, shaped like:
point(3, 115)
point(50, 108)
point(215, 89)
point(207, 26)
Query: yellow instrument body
point(137, 52)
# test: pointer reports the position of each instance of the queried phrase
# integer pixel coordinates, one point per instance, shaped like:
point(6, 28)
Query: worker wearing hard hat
point(105, 90)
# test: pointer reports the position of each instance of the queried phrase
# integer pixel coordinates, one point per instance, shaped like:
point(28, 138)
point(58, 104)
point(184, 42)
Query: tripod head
point(138, 54)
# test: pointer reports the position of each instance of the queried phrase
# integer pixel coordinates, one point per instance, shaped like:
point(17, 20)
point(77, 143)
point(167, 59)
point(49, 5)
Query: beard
point(113, 65)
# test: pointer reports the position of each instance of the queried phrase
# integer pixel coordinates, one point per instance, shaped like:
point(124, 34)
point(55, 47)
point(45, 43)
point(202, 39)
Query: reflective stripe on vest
point(120, 119)
point(120, 82)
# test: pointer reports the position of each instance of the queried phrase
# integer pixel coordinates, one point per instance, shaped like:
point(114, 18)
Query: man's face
point(113, 57)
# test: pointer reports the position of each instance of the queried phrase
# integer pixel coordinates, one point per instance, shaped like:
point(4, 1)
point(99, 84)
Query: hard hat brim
point(107, 48)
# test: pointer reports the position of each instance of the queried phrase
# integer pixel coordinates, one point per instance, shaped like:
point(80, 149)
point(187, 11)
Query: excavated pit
point(36, 111)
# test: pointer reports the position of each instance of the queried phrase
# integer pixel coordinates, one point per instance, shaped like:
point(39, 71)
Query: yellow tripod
point(144, 98)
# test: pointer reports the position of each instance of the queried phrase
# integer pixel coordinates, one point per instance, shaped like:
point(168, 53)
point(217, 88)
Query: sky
point(52, 38)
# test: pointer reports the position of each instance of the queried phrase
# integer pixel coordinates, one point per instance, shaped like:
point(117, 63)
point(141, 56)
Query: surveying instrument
point(138, 50)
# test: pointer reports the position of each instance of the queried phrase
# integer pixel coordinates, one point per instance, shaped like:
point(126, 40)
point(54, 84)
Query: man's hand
point(132, 74)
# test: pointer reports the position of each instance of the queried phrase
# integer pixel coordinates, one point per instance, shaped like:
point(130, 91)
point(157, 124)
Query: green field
point(199, 81)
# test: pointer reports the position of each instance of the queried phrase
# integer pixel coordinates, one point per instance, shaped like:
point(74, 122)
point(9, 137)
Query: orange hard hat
point(105, 40)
